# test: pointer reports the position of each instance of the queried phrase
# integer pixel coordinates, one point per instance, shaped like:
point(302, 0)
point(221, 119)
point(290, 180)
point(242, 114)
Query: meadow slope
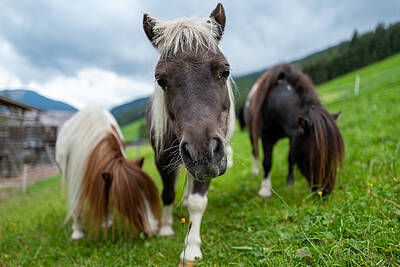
point(356, 225)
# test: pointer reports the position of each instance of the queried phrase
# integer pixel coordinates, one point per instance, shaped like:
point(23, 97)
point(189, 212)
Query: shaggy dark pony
point(283, 103)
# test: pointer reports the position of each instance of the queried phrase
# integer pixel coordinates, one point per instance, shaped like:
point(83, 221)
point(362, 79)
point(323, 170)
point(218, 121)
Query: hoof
point(166, 230)
point(264, 192)
point(192, 254)
point(290, 183)
point(187, 264)
point(77, 234)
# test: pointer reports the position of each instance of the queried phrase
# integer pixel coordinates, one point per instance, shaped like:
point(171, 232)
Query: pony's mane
point(324, 143)
point(185, 34)
point(159, 123)
point(112, 181)
point(324, 149)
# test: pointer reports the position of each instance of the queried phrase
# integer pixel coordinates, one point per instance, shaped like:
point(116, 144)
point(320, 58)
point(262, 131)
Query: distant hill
point(36, 100)
point(131, 111)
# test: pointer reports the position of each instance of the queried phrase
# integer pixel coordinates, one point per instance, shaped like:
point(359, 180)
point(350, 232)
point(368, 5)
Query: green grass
point(355, 225)
point(131, 131)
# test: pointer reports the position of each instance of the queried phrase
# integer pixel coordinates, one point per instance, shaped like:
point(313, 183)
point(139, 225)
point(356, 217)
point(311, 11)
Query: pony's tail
point(113, 183)
point(262, 88)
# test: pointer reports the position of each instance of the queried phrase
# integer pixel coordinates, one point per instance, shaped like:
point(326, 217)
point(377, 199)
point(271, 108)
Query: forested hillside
point(360, 51)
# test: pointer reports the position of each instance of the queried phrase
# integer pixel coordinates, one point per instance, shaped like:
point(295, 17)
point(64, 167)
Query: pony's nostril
point(185, 151)
point(215, 145)
point(216, 148)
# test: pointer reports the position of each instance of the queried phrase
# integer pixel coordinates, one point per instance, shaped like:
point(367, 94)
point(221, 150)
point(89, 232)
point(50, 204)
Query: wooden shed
point(23, 137)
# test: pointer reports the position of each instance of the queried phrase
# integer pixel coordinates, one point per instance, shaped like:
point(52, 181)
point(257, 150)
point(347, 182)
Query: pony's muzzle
point(204, 161)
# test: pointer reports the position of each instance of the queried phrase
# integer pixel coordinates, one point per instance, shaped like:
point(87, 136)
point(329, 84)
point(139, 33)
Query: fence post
point(357, 85)
point(24, 178)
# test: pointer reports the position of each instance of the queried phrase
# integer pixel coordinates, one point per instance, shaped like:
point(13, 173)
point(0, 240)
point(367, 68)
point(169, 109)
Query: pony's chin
point(204, 173)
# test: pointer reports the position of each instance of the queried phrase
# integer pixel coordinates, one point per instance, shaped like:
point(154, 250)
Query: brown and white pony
point(99, 177)
point(283, 103)
point(190, 117)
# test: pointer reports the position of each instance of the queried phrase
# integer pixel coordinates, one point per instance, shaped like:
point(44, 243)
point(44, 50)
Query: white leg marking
point(166, 221)
point(76, 226)
point(265, 190)
point(229, 156)
point(197, 204)
point(254, 170)
point(188, 189)
point(77, 230)
point(152, 223)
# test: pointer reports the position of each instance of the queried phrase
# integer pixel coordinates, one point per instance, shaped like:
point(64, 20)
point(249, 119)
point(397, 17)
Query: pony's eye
point(162, 82)
point(225, 73)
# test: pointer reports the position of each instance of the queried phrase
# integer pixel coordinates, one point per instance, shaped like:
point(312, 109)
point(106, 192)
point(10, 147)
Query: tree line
point(360, 51)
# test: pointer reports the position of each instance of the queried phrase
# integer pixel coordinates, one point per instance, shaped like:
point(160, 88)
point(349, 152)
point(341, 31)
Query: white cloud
point(95, 51)
point(93, 86)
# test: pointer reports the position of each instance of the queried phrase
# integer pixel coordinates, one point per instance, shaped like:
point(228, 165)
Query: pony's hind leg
point(77, 232)
point(291, 161)
point(254, 169)
point(265, 190)
point(197, 204)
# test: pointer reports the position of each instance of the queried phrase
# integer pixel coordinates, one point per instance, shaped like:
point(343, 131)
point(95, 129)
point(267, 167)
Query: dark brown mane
point(323, 149)
point(113, 182)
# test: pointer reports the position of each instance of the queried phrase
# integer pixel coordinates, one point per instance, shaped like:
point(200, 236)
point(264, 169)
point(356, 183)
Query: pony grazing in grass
point(101, 180)
point(190, 116)
point(283, 103)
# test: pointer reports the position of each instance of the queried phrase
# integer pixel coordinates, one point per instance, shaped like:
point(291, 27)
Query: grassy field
point(356, 225)
point(131, 131)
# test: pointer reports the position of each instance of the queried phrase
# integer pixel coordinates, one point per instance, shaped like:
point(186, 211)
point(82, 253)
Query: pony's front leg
point(196, 204)
point(77, 232)
point(168, 196)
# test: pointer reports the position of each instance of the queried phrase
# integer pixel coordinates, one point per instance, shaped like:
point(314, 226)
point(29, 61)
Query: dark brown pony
point(190, 117)
point(100, 179)
point(283, 103)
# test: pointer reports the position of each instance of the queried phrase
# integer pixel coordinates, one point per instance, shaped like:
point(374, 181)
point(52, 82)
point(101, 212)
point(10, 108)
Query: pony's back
point(75, 142)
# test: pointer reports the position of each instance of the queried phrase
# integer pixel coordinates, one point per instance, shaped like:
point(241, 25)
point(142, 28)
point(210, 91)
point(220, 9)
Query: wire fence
point(377, 81)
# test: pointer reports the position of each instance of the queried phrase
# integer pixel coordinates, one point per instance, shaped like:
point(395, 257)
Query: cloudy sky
point(95, 52)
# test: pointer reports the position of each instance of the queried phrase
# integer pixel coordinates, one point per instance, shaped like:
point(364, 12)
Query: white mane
point(75, 142)
point(185, 34)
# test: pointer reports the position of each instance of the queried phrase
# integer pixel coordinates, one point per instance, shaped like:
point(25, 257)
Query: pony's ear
point(336, 115)
point(139, 162)
point(218, 15)
point(304, 123)
point(148, 27)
